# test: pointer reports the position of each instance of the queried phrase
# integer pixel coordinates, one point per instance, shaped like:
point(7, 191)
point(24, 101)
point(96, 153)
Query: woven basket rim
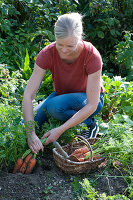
point(76, 163)
point(74, 167)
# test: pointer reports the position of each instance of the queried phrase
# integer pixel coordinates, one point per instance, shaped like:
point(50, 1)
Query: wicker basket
point(72, 167)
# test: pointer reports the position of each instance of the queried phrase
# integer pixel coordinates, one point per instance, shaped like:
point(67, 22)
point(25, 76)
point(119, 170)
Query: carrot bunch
point(81, 153)
point(84, 154)
point(26, 163)
point(82, 157)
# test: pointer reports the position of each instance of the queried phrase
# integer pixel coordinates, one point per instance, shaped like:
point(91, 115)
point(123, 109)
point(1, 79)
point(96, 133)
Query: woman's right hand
point(34, 143)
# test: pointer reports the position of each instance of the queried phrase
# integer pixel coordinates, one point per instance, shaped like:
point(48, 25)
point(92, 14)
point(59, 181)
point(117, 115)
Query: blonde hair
point(69, 25)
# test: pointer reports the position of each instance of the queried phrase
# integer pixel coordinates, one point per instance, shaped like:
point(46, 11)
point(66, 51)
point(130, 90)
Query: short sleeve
point(93, 61)
point(43, 58)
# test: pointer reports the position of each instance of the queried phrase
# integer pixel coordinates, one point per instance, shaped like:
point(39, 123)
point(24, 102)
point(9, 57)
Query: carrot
point(82, 157)
point(31, 165)
point(18, 165)
point(76, 155)
point(20, 161)
point(28, 158)
point(25, 163)
point(81, 150)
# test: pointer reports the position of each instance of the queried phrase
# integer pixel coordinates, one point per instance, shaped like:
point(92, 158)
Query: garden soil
point(48, 182)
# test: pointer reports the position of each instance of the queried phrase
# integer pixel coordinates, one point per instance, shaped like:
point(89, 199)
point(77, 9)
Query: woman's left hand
point(52, 135)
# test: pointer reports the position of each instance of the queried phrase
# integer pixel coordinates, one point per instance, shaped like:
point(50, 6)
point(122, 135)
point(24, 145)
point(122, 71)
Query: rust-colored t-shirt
point(70, 78)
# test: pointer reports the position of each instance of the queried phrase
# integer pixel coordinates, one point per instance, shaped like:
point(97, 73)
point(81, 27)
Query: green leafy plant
point(118, 97)
point(24, 67)
point(48, 190)
point(12, 86)
point(12, 134)
point(124, 56)
point(90, 193)
point(104, 23)
point(27, 27)
point(116, 143)
point(67, 136)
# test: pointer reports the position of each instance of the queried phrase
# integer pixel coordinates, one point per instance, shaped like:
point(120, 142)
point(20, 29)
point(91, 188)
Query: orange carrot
point(81, 150)
point(31, 165)
point(27, 157)
point(76, 155)
point(18, 165)
point(25, 163)
point(82, 157)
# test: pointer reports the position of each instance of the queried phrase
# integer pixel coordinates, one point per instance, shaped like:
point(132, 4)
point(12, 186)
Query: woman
point(76, 67)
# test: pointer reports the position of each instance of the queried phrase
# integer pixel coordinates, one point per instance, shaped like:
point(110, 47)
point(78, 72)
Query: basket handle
point(86, 142)
point(60, 149)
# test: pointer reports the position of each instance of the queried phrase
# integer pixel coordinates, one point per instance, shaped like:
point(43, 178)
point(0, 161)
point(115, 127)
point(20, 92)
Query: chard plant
point(118, 97)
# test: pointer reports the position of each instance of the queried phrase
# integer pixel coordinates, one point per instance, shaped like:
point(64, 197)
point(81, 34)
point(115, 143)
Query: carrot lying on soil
point(25, 163)
point(31, 165)
point(18, 165)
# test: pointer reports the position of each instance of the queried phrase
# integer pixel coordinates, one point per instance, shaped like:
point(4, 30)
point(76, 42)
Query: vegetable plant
point(89, 192)
point(118, 97)
point(124, 55)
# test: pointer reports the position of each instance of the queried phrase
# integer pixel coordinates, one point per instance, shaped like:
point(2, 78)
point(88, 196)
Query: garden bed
point(48, 182)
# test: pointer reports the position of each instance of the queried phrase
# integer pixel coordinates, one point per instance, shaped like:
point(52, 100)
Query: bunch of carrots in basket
point(83, 154)
point(27, 162)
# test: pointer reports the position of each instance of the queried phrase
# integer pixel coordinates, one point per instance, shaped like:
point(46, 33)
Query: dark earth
point(48, 182)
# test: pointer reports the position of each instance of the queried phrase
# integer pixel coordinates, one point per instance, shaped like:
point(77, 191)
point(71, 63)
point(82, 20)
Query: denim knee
point(55, 110)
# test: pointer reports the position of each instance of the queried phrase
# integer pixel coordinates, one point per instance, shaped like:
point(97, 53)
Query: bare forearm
point(79, 117)
point(28, 114)
point(28, 109)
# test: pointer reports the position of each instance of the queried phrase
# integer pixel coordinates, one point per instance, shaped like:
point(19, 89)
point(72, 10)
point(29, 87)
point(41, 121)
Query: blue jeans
point(63, 107)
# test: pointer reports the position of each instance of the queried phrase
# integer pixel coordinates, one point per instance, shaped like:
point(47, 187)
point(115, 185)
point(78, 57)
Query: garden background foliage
point(25, 28)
